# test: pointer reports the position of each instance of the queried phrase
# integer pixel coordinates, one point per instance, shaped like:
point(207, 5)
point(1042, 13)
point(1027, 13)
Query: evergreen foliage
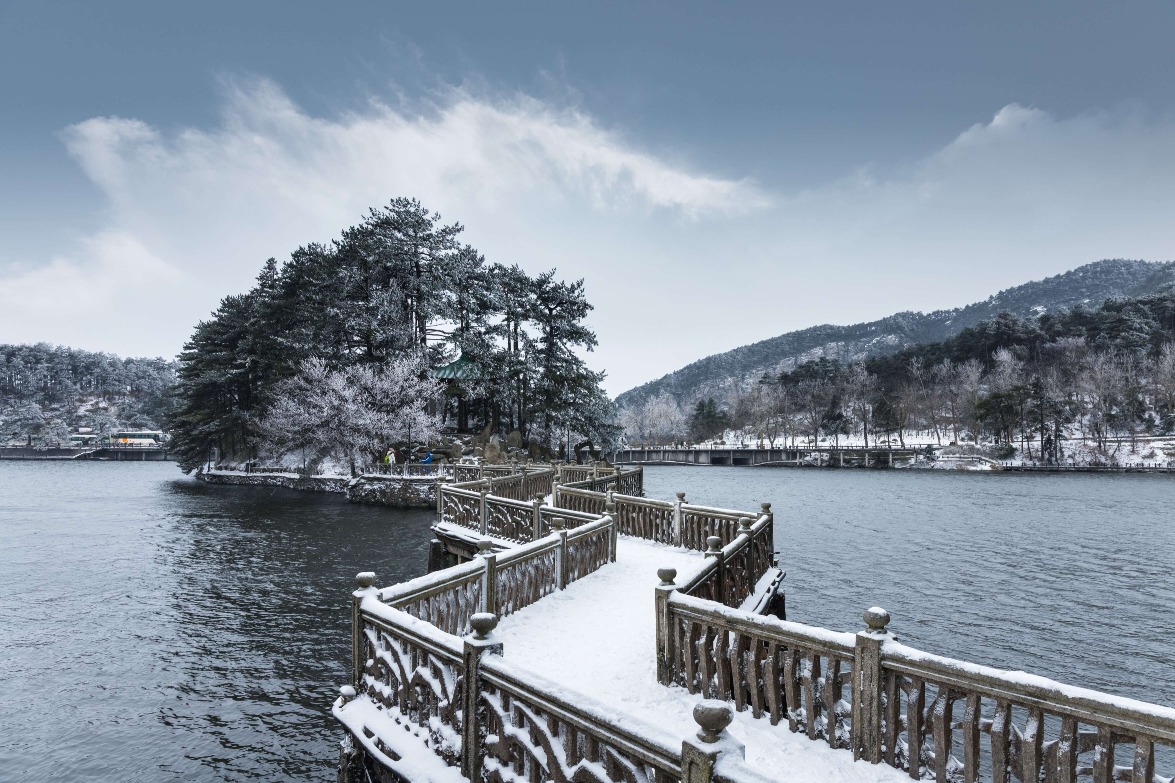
point(708, 420)
point(397, 286)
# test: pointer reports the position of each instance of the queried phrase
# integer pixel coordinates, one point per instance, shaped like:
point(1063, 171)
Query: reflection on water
point(1066, 576)
point(155, 628)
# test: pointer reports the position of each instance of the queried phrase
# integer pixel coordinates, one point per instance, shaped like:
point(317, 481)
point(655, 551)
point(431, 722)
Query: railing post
point(557, 525)
point(440, 489)
point(366, 582)
point(714, 550)
point(537, 533)
point(640, 473)
point(867, 686)
point(614, 530)
point(484, 524)
point(479, 643)
point(698, 756)
point(665, 652)
point(489, 576)
point(765, 510)
point(555, 482)
point(677, 521)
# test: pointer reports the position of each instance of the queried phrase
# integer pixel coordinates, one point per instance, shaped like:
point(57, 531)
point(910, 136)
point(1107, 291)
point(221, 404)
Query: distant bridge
point(112, 452)
point(826, 456)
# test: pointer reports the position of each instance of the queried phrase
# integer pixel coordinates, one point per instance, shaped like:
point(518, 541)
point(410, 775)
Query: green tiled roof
point(460, 369)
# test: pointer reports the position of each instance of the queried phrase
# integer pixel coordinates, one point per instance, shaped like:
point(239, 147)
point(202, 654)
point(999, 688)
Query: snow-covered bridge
point(595, 635)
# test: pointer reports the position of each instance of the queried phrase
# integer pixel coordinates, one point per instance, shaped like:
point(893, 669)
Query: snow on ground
point(598, 637)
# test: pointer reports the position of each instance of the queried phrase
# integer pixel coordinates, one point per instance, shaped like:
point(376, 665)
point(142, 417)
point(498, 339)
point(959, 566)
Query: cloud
point(116, 293)
point(191, 215)
point(679, 262)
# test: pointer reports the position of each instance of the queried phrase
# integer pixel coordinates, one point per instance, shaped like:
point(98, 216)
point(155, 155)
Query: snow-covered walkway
point(598, 637)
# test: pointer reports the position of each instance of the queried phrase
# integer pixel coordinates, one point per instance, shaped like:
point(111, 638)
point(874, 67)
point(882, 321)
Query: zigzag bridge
point(525, 556)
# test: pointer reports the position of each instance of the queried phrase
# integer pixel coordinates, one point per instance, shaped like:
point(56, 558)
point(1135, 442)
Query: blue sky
point(718, 173)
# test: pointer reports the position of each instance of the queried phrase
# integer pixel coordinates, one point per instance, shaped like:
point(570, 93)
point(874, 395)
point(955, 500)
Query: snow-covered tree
point(353, 414)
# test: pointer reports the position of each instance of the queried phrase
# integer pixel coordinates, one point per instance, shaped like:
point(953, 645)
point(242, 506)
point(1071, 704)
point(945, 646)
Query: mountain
point(724, 375)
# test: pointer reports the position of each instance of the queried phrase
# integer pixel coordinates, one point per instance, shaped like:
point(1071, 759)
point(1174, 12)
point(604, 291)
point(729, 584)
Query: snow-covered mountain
point(722, 375)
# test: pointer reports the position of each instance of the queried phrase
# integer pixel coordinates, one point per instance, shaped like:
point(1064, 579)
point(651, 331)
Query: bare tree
point(859, 387)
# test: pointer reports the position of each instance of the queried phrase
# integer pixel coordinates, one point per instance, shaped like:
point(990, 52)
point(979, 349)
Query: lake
point(155, 628)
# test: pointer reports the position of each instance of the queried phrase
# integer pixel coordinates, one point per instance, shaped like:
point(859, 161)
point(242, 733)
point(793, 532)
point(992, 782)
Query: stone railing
point(931, 716)
point(500, 582)
point(602, 479)
point(463, 472)
point(674, 523)
point(477, 713)
point(414, 469)
point(472, 506)
point(522, 484)
point(732, 572)
point(573, 474)
point(504, 518)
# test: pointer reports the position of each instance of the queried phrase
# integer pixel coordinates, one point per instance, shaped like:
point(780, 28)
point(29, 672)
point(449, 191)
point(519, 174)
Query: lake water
point(1065, 575)
point(153, 628)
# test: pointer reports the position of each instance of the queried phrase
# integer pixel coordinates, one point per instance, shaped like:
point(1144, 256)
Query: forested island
point(387, 334)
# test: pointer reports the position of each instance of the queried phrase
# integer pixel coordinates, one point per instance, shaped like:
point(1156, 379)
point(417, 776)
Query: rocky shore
point(373, 489)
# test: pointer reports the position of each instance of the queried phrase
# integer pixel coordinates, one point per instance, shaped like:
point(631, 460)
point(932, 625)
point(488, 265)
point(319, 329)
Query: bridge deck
point(598, 637)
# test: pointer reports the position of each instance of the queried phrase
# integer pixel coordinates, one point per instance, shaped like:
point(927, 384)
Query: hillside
point(48, 390)
point(721, 375)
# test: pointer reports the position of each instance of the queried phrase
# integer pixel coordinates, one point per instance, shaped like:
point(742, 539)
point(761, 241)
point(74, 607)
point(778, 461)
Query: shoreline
point(370, 489)
point(90, 454)
point(992, 468)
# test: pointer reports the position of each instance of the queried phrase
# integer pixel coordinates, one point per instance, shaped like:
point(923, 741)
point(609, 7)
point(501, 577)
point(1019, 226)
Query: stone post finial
point(876, 619)
point(483, 625)
point(346, 693)
point(484, 545)
point(666, 575)
point(766, 507)
point(713, 545)
point(558, 523)
point(610, 507)
point(365, 579)
point(681, 497)
point(713, 716)
point(744, 525)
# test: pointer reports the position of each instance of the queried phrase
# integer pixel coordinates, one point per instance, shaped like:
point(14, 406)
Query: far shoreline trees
point(398, 287)
point(1095, 377)
point(48, 390)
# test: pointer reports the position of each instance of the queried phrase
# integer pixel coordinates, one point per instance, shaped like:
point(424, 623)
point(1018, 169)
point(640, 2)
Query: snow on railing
point(915, 711)
point(501, 583)
point(732, 571)
point(502, 517)
point(475, 712)
point(601, 479)
point(423, 696)
point(674, 523)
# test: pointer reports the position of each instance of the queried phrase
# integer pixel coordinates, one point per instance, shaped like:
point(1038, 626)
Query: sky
point(716, 173)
